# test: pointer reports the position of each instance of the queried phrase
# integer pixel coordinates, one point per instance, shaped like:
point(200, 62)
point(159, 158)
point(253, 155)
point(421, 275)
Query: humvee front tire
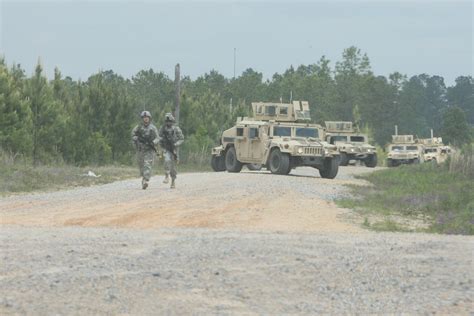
point(371, 161)
point(232, 164)
point(330, 168)
point(279, 162)
point(344, 159)
point(218, 163)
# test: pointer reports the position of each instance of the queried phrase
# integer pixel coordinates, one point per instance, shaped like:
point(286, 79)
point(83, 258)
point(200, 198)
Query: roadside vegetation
point(18, 175)
point(425, 197)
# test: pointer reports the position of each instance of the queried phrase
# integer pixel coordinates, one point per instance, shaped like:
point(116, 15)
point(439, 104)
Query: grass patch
point(442, 198)
point(20, 176)
point(26, 178)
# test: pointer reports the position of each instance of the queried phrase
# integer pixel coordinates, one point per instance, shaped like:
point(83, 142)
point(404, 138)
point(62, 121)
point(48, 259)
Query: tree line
point(89, 122)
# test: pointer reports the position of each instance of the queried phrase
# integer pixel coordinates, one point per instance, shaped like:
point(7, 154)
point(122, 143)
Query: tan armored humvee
point(435, 150)
point(351, 144)
point(279, 137)
point(404, 149)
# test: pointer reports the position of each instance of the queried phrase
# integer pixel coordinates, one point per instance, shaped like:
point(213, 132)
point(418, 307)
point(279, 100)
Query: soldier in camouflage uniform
point(171, 137)
point(145, 137)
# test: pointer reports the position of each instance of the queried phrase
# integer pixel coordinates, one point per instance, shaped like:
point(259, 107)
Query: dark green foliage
point(455, 128)
point(47, 116)
point(15, 113)
point(90, 122)
point(462, 95)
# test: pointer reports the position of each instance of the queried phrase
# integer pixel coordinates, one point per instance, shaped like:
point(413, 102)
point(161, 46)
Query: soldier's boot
point(144, 184)
point(167, 178)
point(173, 184)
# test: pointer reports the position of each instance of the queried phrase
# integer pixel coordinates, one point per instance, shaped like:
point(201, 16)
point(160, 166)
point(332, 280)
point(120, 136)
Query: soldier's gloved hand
point(135, 138)
point(156, 141)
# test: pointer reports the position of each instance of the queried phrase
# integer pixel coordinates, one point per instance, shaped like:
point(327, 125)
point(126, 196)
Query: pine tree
point(455, 130)
point(15, 114)
point(48, 123)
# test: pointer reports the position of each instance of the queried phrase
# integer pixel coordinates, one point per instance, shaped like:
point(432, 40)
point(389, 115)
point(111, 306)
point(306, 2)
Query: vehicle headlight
point(326, 152)
point(352, 149)
point(300, 150)
point(369, 150)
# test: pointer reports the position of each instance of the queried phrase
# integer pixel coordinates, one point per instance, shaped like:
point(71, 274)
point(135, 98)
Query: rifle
point(146, 141)
point(168, 144)
point(172, 149)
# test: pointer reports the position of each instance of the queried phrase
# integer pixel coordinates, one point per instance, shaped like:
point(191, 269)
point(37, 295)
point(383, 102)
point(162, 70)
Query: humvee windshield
point(397, 147)
point(359, 139)
point(282, 131)
point(430, 150)
point(338, 139)
point(412, 147)
point(307, 132)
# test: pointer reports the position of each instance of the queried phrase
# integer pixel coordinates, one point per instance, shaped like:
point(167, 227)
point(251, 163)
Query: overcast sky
point(81, 37)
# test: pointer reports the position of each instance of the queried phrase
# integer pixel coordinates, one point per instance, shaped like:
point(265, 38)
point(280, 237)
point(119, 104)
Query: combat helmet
point(169, 117)
point(145, 113)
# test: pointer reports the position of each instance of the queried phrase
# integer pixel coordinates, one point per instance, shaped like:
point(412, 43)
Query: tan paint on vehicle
point(435, 150)
point(352, 144)
point(404, 149)
point(277, 133)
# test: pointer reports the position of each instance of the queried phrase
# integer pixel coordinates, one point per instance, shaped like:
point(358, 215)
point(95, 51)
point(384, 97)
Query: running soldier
point(171, 137)
point(145, 137)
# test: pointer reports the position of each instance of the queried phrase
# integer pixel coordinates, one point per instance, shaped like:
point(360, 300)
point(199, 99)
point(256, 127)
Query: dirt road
point(247, 243)
point(249, 201)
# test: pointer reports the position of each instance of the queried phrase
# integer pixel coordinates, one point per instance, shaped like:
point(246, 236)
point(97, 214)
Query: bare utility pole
point(177, 84)
point(235, 54)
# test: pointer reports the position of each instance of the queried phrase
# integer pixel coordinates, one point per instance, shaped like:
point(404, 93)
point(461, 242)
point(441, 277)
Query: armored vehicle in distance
point(434, 149)
point(404, 149)
point(279, 137)
point(351, 144)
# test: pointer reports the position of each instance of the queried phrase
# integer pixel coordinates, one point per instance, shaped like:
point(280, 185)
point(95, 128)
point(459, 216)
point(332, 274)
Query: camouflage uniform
point(171, 137)
point(145, 138)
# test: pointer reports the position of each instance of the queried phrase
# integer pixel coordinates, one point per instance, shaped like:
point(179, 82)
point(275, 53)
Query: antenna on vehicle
point(291, 96)
point(431, 133)
point(396, 129)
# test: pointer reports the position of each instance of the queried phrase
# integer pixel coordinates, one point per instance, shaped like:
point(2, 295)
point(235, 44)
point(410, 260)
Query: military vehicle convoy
point(351, 144)
point(278, 137)
point(404, 149)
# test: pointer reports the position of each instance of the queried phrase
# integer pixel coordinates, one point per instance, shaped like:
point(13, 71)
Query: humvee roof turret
point(339, 127)
point(435, 141)
point(281, 112)
point(279, 137)
point(403, 139)
point(351, 144)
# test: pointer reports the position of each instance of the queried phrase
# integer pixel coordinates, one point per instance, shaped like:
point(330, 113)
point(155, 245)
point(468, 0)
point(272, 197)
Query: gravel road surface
point(248, 243)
